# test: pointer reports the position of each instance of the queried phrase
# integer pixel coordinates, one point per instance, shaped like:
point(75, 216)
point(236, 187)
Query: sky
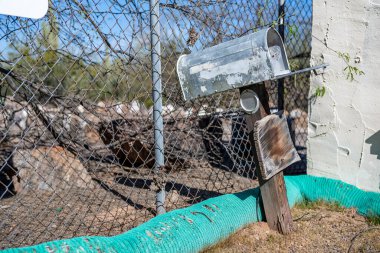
point(120, 21)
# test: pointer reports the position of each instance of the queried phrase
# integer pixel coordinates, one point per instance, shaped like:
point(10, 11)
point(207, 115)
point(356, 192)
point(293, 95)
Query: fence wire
point(77, 152)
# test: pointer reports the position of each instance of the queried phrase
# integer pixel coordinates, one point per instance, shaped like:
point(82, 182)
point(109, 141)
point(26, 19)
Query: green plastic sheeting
point(198, 226)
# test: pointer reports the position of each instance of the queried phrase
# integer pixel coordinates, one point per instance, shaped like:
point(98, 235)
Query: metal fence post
point(157, 100)
point(281, 30)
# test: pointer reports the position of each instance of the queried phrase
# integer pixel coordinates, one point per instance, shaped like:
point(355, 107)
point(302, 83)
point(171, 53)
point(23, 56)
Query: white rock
point(20, 118)
point(80, 108)
point(296, 113)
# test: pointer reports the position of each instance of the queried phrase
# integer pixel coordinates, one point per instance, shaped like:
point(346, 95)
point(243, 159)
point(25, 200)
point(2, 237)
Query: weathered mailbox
point(245, 63)
point(247, 60)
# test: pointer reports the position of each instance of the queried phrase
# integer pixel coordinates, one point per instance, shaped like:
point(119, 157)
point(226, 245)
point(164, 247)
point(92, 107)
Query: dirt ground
point(121, 199)
point(318, 227)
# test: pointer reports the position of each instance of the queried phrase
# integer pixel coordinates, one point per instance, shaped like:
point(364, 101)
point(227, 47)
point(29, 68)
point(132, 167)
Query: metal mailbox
point(240, 62)
point(245, 61)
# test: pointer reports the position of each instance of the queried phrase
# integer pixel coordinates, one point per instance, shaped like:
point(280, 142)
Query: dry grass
point(318, 227)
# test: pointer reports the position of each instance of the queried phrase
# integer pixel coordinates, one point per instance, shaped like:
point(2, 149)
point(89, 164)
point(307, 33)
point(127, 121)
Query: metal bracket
point(300, 71)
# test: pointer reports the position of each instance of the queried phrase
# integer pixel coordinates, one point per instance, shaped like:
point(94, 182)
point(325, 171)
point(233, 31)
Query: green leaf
point(320, 91)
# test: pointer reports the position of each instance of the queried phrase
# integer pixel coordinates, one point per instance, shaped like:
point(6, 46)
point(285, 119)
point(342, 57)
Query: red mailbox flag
point(24, 8)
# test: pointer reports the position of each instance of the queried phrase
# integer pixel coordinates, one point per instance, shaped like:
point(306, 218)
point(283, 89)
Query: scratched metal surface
point(247, 60)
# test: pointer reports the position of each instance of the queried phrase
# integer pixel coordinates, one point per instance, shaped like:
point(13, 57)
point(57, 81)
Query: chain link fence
point(78, 153)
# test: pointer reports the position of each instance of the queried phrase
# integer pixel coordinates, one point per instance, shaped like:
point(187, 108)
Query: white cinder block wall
point(344, 124)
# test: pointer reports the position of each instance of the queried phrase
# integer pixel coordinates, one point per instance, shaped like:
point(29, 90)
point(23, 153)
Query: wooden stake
point(273, 190)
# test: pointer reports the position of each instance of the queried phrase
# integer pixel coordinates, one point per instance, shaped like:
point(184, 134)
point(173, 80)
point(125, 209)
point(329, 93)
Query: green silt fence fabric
point(196, 227)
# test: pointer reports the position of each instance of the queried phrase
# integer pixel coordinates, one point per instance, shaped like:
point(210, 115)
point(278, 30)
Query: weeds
point(373, 219)
point(350, 70)
point(320, 91)
point(331, 206)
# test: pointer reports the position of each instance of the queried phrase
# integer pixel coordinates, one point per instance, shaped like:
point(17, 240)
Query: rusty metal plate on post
point(250, 59)
point(274, 146)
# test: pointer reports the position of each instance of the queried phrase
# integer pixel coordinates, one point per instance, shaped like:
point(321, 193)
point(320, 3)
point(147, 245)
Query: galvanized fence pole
point(157, 100)
point(281, 30)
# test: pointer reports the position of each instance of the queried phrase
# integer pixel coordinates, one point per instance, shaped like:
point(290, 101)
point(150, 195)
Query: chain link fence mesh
point(298, 42)
point(77, 130)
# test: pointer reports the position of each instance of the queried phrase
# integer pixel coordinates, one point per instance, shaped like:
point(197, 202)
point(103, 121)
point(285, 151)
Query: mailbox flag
point(24, 8)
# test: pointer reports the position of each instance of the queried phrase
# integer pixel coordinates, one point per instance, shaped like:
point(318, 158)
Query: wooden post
point(273, 190)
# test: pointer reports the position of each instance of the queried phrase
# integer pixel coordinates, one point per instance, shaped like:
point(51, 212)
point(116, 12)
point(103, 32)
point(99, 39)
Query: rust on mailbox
point(274, 146)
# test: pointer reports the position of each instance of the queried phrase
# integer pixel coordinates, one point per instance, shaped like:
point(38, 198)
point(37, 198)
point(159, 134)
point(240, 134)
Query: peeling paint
point(250, 59)
point(202, 67)
point(239, 67)
point(234, 79)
